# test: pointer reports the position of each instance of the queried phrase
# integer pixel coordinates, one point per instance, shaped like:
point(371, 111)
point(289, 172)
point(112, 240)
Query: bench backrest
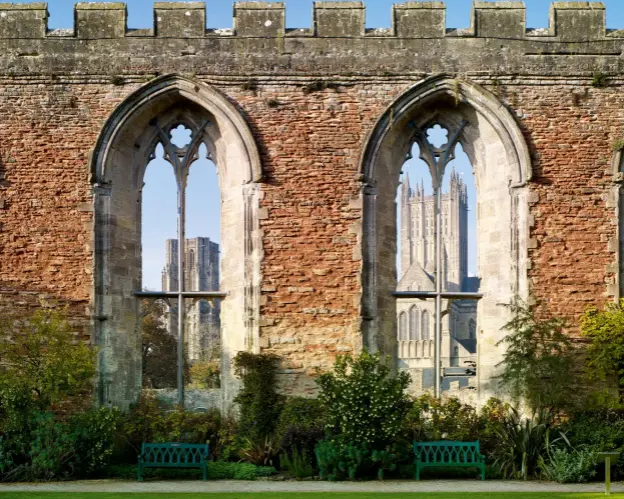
point(447, 452)
point(174, 453)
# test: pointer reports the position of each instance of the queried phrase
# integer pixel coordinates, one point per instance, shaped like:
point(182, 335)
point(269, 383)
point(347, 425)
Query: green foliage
point(339, 460)
point(364, 401)
point(204, 375)
point(538, 363)
point(605, 329)
point(297, 464)
point(217, 470)
point(435, 419)
point(159, 348)
point(260, 405)
point(602, 430)
point(150, 422)
point(618, 145)
point(76, 448)
point(260, 452)
point(522, 444)
point(42, 363)
point(570, 466)
point(300, 426)
point(599, 79)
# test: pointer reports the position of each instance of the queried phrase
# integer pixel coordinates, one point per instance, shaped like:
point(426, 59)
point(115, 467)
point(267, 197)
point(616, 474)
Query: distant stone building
point(416, 318)
point(202, 329)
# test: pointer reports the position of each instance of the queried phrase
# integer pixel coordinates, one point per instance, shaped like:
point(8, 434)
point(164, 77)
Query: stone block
point(29, 20)
point(339, 19)
point(259, 19)
point(499, 19)
point(100, 20)
point(578, 21)
point(180, 19)
point(419, 19)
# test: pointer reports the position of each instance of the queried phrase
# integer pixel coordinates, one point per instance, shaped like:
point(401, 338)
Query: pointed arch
point(500, 157)
point(121, 154)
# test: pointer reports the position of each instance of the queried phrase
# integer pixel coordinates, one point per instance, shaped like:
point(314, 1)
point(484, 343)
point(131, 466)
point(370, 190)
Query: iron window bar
point(181, 158)
point(437, 159)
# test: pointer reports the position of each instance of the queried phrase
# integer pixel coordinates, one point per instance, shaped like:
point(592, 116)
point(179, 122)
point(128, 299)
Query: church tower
point(417, 231)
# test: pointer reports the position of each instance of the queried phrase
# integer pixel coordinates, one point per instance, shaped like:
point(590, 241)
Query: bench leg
point(140, 473)
point(417, 472)
point(482, 472)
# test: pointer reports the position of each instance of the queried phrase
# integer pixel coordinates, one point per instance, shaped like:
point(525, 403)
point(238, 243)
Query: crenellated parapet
point(569, 21)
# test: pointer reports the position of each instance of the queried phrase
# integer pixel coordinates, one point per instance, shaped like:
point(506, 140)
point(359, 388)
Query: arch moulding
point(123, 149)
point(501, 163)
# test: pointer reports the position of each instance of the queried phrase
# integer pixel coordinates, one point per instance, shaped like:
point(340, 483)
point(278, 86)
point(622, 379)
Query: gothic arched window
point(426, 333)
point(414, 319)
point(472, 329)
point(402, 326)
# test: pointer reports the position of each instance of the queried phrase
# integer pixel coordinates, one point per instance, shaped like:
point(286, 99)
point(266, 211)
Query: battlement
point(569, 21)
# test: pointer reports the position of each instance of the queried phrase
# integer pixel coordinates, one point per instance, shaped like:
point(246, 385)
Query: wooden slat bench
point(173, 455)
point(447, 453)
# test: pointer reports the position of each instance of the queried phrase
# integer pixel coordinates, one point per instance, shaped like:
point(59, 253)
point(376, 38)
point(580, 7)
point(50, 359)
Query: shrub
point(148, 421)
point(605, 329)
point(204, 374)
point(570, 466)
point(297, 464)
point(364, 401)
point(339, 459)
point(300, 425)
point(435, 419)
point(42, 364)
point(77, 448)
point(217, 470)
point(602, 430)
point(522, 444)
point(538, 363)
point(260, 405)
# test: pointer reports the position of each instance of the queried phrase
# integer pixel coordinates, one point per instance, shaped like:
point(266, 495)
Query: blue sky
point(299, 13)
point(159, 208)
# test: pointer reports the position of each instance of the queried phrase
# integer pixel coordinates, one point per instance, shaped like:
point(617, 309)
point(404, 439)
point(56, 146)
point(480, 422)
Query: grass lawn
point(304, 495)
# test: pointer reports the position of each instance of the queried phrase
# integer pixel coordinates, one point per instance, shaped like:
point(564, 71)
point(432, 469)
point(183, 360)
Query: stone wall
point(312, 98)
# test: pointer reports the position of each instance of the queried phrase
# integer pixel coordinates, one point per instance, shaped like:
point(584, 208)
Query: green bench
point(448, 454)
point(173, 455)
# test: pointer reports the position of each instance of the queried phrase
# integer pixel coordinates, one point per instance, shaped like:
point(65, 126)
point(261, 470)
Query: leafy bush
point(602, 430)
point(605, 329)
point(432, 419)
point(569, 465)
point(300, 426)
point(538, 363)
point(42, 363)
point(297, 464)
point(217, 470)
point(340, 459)
point(76, 448)
point(148, 421)
point(260, 405)
point(364, 401)
point(205, 374)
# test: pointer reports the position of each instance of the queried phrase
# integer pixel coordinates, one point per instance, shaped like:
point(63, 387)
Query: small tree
point(365, 402)
point(42, 361)
point(605, 329)
point(260, 404)
point(159, 347)
point(538, 364)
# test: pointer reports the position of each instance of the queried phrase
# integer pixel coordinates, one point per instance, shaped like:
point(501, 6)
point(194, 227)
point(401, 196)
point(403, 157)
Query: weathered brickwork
point(311, 99)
